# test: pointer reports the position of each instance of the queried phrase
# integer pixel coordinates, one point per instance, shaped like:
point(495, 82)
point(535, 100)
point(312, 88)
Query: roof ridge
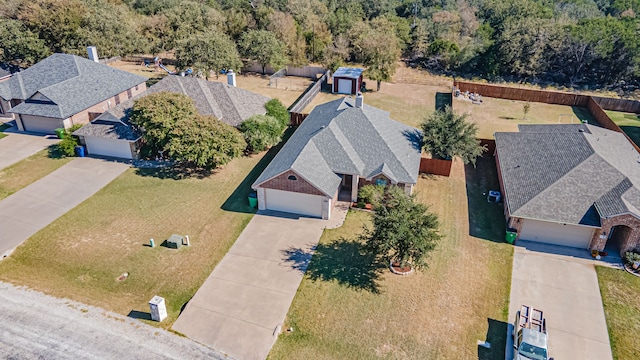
point(226, 88)
point(332, 125)
point(208, 96)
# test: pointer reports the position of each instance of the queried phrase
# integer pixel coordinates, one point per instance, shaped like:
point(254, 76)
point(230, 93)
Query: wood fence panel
point(623, 105)
point(306, 71)
point(490, 145)
point(520, 94)
point(296, 118)
point(305, 99)
point(435, 166)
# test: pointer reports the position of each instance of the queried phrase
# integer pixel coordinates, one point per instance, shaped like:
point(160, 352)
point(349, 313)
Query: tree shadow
point(415, 137)
point(174, 172)
point(497, 337)
point(237, 201)
point(584, 115)
point(633, 132)
point(54, 152)
point(486, 219)
point(297, 258)
point(344, 261)
point(141, 315)
point(507, 118)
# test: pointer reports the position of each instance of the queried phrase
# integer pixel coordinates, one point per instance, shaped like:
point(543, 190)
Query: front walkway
point(563, 283)
point(18, 146)
point(32, 208)
point(241, 307)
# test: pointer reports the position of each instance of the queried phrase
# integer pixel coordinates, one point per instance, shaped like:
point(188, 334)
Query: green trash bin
point(253, 200)
point(60, 133)
point(511, 236)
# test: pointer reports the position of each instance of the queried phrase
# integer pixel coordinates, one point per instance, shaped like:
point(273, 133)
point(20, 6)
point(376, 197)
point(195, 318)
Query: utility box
point(175, 241)
point(158, 308)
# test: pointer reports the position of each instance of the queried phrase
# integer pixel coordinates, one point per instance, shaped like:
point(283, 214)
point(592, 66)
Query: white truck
point(530, 341)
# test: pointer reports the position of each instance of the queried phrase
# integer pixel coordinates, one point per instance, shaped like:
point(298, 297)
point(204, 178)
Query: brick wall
point(632, 240)
point(85, 116)
point(282, 182)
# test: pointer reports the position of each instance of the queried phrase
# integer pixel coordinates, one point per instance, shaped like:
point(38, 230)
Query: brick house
point(111, 134)
point(572, 185)
point(341, 146)
point(63, 90)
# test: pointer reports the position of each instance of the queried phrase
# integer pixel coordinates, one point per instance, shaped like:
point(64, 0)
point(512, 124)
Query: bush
point(276, 109)
point(371, 194)
point(67, 146)
point(261, 132)
point(631, 257)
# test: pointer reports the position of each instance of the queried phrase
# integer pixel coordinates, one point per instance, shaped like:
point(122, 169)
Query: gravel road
point(38, 326)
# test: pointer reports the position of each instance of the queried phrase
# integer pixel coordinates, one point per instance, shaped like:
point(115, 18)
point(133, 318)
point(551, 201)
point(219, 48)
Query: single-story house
point(63, 90)
point(347, 80)
point(341, 146)
point(111, 134)
point(572, 185)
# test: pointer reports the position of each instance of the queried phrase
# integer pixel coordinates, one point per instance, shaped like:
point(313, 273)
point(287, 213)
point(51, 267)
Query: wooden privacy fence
point(295, 110)
point(595, 104)
point(303, 71)
point(435, 166)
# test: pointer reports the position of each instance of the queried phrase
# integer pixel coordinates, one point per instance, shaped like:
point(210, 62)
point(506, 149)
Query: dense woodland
point(571, 42)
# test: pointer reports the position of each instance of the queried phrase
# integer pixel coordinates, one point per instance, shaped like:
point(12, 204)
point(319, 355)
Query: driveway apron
point(566, 289)
point(31, 209)
point(240, 308)
point(17, 146)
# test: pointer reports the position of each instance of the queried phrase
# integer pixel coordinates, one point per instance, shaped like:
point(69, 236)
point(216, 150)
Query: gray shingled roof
point(564, 173)
point(348, 72)
point(338, 138)
point(109, 130)
point(71, 83)
point(229, 104)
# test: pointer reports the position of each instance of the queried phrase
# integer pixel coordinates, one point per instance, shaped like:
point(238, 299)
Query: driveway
point(563, 283)
point(240, 308)
point(18, 146)
point(37, 326)
point(29, 210)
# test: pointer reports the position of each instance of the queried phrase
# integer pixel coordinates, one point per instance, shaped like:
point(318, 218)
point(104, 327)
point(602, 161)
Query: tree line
point(569, 42)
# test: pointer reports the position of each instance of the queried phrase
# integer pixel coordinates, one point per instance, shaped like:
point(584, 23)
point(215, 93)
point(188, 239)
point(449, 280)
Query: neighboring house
point(341, 146)
point(63, 90)
point(110, 134)
point(572, 185)
point(347, 80)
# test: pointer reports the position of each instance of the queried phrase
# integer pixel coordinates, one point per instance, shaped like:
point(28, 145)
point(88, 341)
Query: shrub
point(276, 109)
point(67, 146)
point(371, 194)
point(261, 132)
point(631, 257)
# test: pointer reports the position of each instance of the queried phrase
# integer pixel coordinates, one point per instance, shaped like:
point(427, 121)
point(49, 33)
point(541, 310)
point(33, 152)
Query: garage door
point(108, 147)
point(41, 124)
point(344, 86)
point(293, 202)
point(558, 234)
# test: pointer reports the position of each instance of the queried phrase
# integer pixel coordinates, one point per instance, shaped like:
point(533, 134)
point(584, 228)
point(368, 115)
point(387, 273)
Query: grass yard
point(620, 291)
point(346, 308)
point(80, 255)
point(27, 171)
point(628, 122)
point(3, 127)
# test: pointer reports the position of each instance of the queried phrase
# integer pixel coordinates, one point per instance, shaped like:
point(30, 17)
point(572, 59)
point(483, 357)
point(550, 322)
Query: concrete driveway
point(18, 146)
point(29, 210)
point(240, 308)
point(565, 287)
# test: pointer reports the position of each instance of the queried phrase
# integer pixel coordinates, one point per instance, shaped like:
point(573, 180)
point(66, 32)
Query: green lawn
point(620, 297)
point(3, 127)
point(629, 123)
point(80, 255)
point(347, 308)
point(27, 171)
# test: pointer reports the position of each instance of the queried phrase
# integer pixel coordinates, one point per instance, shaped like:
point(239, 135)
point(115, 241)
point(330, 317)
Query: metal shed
point(347, 80)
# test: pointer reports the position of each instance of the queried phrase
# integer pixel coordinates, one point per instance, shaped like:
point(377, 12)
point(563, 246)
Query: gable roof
point(71, 83)
point(339, 138)
point(568, 173)
point(228, 104)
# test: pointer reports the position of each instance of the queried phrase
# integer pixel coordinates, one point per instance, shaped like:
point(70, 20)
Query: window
point(381, 181)
point(117, 99)
point(129, 94)
point(292, 177)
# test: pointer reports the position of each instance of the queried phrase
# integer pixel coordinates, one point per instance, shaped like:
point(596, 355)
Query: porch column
point(354, 188)
point(262, 204)
point(19, 122)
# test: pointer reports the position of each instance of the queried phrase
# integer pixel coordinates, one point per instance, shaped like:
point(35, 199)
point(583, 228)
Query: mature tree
point(336, 54)
point(377, 49)
point(208, 51)
point(156, 115)
point(404, 231)
point(261, 132)
point(204, 142)
point(446, 135)
point(524, 45)
point(263, 47)
point(19, 45)
point(189, 18)
point(114, 29)
point(286, 29)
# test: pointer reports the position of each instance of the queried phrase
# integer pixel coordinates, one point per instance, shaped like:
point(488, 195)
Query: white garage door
point(558, 234)
point(293, 202)
point(344, 86)
point(108, 147)
point(41, 124)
